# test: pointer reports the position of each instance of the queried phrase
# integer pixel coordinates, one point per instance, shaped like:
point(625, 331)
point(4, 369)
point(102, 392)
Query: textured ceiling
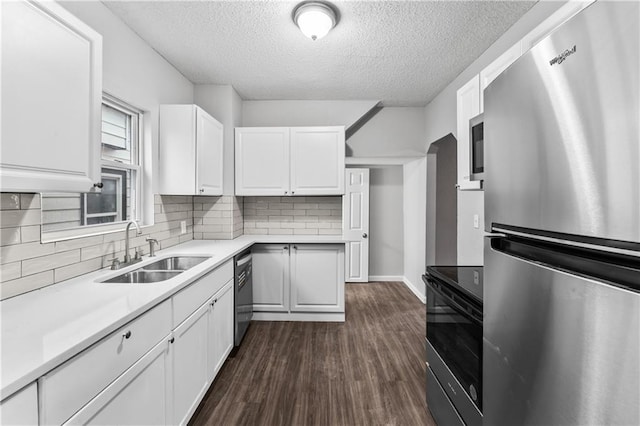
point(401, 52)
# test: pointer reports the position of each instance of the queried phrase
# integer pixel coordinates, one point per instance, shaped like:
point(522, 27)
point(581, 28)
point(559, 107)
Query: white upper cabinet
point(290, 161)
point(51, 99)
point(317, 160)
point(190, 151)
point(262, 161)
point(494, 69)
point(468, 106)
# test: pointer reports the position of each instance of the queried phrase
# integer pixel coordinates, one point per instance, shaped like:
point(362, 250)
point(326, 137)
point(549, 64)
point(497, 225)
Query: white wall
point(440, 118)
point(415, 212)
point(392, 132)
point(386, 241)
point(137, 74)
point(225, 105)
point(303, 113)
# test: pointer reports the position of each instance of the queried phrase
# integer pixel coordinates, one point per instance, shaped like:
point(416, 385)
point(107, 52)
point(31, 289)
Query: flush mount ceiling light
point(315, 19)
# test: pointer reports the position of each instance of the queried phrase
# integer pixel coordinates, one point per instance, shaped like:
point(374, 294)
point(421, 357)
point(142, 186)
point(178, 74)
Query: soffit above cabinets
point(402, 53)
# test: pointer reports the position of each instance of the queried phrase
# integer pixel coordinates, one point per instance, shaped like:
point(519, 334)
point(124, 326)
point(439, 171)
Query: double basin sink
point(160, 270)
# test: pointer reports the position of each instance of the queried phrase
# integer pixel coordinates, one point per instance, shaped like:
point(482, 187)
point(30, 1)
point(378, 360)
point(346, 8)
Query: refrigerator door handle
point(495, 235)
point(565, 242)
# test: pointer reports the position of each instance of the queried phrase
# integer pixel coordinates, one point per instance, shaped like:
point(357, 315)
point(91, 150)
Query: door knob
point(364, 235)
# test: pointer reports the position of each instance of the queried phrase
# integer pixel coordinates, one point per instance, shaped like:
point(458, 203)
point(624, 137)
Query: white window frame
point(118, 211)
point(136, 170)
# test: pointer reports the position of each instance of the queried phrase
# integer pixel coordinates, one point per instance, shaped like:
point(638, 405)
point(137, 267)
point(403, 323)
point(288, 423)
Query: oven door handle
point(463, 310)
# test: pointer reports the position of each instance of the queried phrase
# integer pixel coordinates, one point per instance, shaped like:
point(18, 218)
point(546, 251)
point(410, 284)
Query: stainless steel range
point(454, 344)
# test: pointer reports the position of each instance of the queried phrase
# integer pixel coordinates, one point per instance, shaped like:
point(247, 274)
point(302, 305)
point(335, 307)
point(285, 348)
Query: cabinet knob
point(286, 192)
point(127, 334)
point(295, 247)
point(201, 189)
point(286, 247)
point(364, 235)
point(98, 185)
point(292, 192)
point(173, 339)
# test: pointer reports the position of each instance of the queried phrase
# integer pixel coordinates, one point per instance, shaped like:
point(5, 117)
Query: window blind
point(115, 128)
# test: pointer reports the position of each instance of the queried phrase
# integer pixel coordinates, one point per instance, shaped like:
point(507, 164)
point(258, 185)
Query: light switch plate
point(476, 221)
point(183, 226)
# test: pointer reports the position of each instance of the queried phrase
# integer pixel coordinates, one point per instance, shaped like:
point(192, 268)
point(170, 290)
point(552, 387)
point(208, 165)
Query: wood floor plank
point(369, 370)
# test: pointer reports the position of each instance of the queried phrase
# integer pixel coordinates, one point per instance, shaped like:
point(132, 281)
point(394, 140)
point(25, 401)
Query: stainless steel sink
point(177, 263)
point(140, 276)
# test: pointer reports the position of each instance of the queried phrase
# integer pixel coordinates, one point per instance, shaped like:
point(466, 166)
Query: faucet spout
point(127, 256)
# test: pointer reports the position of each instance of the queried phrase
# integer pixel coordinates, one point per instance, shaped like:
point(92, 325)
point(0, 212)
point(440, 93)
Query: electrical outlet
point(476, 221)
point(183, 226)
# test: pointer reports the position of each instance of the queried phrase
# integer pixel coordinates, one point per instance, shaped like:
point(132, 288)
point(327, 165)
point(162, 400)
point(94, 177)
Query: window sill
point(85, 232)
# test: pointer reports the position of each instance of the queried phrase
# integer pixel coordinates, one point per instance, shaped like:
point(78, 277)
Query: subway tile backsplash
point(217, 218)
point(27, 264)
point(293, 215)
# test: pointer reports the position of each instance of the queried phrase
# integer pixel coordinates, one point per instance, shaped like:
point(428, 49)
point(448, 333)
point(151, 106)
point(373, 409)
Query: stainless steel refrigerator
point(561, 332)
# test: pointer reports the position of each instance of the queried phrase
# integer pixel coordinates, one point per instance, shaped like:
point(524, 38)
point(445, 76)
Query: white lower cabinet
point(69, 387)
point(270, 266)
point(20, 408)
point(154, 370)
point(221, 329)
point(190, 364)
point(140, 396)
point(317, 278)
point(298, 281)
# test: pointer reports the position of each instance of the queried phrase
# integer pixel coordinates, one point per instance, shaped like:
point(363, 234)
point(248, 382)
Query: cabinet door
point(468, 106)
point(317, 160)
point(270, 277)
point(20, 408)
point(262, 161)
point(494, 69)
point(209, 154)
point(140, 396)
point(317, 278)
point(221, 329)
point(51, 99)
point(190, 364)
point(177, 150)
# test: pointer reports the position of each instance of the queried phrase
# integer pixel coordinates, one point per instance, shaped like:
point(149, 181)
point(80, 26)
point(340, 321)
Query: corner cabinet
point(290, 161)
point(51, 99)
point(190, 151)
point(298, 282)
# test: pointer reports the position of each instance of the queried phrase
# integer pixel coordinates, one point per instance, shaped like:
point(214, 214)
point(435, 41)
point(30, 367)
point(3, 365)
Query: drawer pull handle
point(127, 334)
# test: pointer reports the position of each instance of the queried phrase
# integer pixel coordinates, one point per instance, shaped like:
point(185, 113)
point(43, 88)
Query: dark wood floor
point(369, 370)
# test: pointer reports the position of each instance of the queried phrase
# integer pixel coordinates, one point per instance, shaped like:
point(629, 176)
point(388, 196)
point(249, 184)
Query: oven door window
point(456, 335)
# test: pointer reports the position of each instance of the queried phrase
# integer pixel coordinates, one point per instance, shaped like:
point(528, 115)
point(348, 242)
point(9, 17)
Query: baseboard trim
point(299, 316)
point(414, 290)
point(385, 278)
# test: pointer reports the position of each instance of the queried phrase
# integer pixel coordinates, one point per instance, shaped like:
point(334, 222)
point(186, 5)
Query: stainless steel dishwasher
point(243, 296)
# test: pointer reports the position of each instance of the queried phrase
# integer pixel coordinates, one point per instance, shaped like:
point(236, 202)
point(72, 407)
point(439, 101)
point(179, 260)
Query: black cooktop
point(466, 278)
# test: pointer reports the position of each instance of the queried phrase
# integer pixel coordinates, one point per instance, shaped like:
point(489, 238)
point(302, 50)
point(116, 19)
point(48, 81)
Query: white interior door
point(355, 225)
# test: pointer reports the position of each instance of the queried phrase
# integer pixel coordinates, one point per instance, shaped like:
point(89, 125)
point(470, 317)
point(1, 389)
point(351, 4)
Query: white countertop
point(44, 328)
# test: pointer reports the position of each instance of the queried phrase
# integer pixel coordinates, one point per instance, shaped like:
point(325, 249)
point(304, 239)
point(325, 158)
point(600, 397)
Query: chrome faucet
point(127, 256)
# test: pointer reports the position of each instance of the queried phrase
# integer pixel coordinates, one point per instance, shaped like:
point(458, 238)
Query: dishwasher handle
point(243, 260)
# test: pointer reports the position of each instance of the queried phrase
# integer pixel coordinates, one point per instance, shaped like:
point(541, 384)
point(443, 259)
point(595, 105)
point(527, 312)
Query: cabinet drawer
point(20, 408)
point(189, 299)
point(66, 389)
